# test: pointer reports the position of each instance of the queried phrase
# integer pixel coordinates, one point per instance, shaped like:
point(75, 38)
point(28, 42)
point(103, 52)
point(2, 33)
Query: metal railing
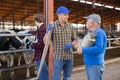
point(23, 50)
point(109, 41)
point(6, 35)
point(15, 51)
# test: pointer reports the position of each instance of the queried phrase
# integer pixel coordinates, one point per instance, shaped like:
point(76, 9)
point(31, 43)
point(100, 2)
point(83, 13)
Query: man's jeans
point(95, 72)
point(44, 72)
point(66, 66)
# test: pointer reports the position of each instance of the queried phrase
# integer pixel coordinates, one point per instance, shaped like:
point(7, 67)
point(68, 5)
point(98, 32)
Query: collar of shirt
point(40, 24)
point(60, 24)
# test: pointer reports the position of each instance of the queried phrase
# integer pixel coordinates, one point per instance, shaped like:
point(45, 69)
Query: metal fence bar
point(17, 67)
point(14, 51)
point(23, 50)
point(113, 47)
point(4, 35)
point(112, 38)
point(109, 41)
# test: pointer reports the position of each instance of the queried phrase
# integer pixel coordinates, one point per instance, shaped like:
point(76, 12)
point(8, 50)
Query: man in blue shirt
point(94, 55)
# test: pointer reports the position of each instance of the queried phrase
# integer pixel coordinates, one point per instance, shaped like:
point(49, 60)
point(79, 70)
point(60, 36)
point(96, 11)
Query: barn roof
point(23, 10)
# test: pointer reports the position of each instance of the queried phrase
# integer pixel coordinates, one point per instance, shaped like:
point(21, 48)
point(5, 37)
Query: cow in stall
point(28, 55)
point(115, 42)
point(16, 42)
point(5, 44)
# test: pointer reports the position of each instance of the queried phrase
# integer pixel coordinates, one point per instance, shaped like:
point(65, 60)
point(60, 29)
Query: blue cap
point(62, 10)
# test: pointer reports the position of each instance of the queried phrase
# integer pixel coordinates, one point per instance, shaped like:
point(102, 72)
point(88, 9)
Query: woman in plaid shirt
point(39, 45)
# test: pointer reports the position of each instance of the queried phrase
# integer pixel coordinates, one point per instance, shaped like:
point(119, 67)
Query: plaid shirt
point(39, 46)
point(60, 37)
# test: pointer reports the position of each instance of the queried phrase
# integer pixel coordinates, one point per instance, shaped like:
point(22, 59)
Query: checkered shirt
point(60, 37)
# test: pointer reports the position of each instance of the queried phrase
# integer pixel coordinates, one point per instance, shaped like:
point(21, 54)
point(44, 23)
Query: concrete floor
point(112, 72)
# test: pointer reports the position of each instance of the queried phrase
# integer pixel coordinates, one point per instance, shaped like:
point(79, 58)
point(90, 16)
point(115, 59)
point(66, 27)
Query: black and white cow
point(14, 42)
point(27, 42)
point(5, 44)
point(28, 55)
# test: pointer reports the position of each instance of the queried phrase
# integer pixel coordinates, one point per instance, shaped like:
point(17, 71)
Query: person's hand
point(50, 27)
point(30, 48)
point(68, 46)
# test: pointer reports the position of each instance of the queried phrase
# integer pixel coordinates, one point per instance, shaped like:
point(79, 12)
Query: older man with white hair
point(94, 55)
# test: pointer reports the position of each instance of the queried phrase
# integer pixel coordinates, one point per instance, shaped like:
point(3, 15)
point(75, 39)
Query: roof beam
point(17, 8)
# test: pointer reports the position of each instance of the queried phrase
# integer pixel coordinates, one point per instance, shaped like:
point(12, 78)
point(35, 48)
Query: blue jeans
point(66, 66)
point(95, 72)
point(44, 72)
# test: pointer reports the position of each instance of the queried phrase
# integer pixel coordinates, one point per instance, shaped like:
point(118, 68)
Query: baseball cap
point(94, 17)
point(62, 10)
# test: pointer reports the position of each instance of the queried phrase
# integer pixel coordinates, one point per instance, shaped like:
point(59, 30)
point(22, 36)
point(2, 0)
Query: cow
point(15, 42)
point(28, 55)
point(116, 42)
point(5, 44)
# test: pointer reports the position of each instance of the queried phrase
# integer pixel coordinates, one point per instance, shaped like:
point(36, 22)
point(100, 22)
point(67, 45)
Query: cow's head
point(5, 42)
point(28, 40)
